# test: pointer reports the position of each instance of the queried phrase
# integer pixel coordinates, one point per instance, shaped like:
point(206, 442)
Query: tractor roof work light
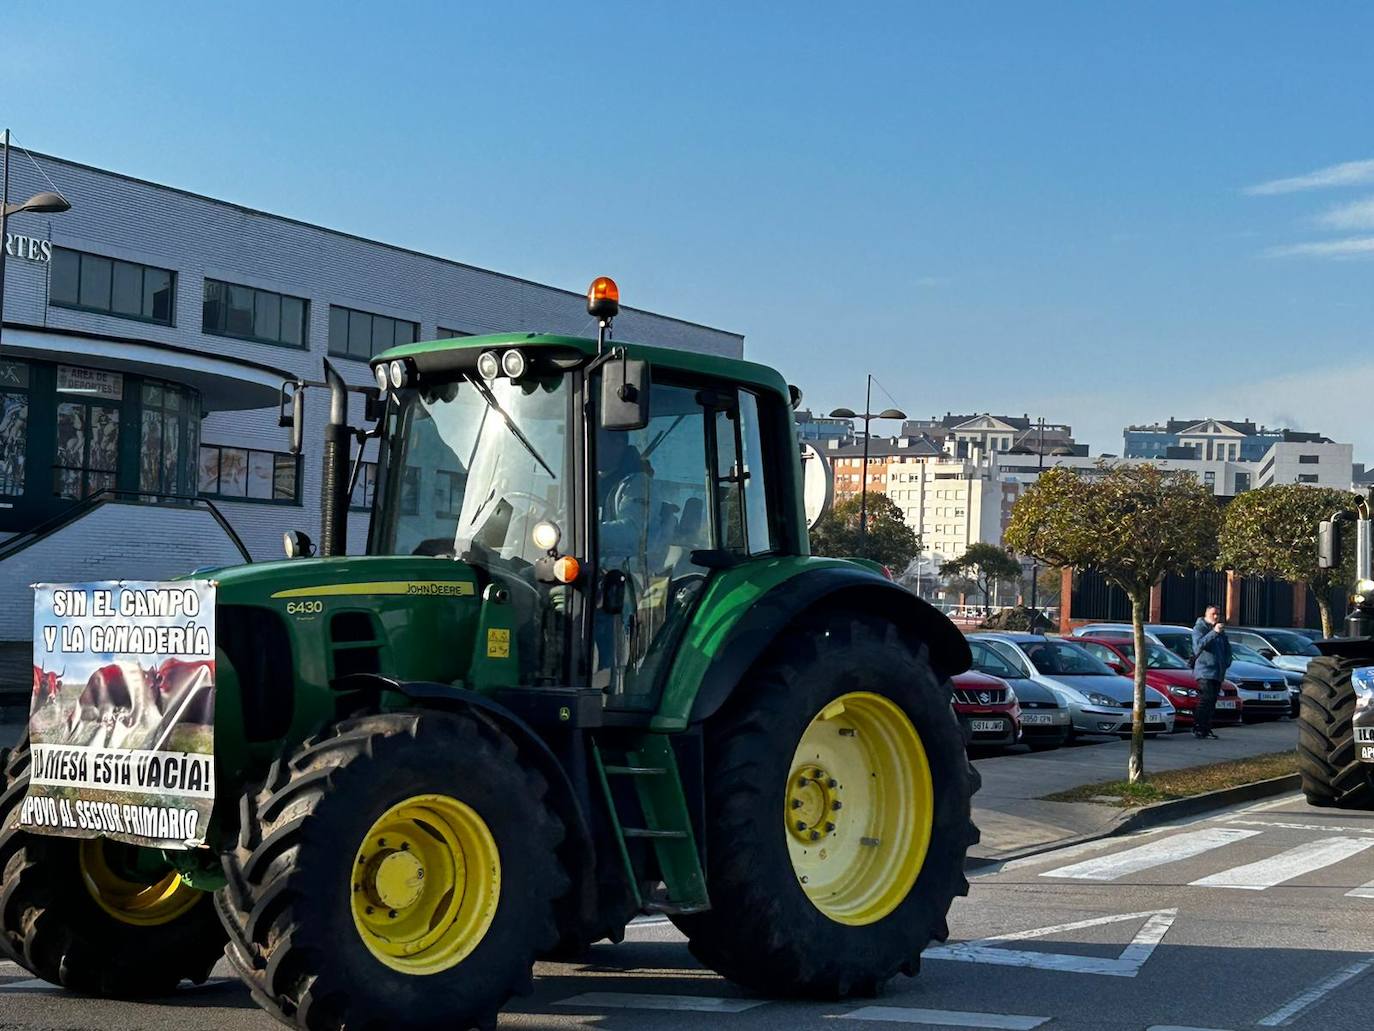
point(513, 364)
point(488, 365)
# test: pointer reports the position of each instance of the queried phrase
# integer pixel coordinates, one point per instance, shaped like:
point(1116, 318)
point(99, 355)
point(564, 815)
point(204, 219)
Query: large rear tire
point(77, 913)
point(1332, 774)
point(398, 870)
point(837, 814)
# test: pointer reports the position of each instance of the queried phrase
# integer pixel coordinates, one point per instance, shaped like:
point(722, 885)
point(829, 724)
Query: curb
point(1149, 816)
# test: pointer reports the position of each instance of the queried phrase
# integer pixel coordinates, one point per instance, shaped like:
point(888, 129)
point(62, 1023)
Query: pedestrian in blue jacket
point(1211, 659)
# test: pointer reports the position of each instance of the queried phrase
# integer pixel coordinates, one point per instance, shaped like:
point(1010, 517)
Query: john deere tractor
point(1336, 715)
point(586, 669)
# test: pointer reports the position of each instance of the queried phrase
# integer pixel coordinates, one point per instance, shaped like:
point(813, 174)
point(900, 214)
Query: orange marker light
point(603, 298)
point(566, 569)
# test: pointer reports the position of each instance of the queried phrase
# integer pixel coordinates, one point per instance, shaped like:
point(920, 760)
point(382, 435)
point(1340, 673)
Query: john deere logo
point(984, 697)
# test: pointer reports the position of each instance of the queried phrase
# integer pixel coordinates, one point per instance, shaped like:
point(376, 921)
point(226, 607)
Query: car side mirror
point(1268, 653)
point(624, 394)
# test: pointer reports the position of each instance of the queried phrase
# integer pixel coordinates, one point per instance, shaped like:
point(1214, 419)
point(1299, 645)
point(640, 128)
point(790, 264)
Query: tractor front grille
point(258, 647)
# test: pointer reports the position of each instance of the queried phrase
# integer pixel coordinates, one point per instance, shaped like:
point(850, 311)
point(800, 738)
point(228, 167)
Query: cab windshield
point(473, 468)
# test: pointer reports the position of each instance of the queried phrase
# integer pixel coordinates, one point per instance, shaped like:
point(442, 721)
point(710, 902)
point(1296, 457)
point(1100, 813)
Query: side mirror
point(624, 394)
point(1268, 653)
point(374, 404)
point(1328, 544)
point(296, 418)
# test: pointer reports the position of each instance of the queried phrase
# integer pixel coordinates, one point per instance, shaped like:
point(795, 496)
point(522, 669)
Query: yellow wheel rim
point(140, 902)
point(425, 883)
point(858, 808)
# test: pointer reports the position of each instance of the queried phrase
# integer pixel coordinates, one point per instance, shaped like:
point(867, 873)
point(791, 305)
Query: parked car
point(1263, 687)
point(1286, 649)
point(1244, 653)
point(1099, 700)
point(1044, 719)
point(1168, 674)
point(988, 708)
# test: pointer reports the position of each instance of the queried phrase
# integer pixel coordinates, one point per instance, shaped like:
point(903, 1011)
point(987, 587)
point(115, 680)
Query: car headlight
point(1103, 700)
point(1011, 696)
point(1186, 692)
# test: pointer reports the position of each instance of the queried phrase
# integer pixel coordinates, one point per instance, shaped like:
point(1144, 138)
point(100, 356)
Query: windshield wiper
point(495, 406)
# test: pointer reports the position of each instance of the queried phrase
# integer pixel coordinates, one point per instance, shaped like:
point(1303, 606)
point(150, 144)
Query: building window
point(250, 314)
point(1210, 479)
point(238, 473)
point(87, 447)
point(14, 426)
point(170, 430)
point(1242, 482)
point(89, 282)
point(452, 334)
point(361, 335)
point(1309, 459)
point(1307, 478)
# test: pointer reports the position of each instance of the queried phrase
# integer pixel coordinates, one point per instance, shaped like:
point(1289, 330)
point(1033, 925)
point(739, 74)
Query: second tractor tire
point(1328, 762)
point(763, 930)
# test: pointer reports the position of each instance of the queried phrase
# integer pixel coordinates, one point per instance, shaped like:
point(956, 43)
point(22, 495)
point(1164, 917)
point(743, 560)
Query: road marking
point(31, 985)
point(1154, 853)
point(682, 1003)
point(1282, 825)
point(1364, 891)
point(1069, 851)
point(1274, 803)
point(1284, 1015)
point(1180, 1027)
point(1306, 858)
point(946, 1018)
point(1128, 964)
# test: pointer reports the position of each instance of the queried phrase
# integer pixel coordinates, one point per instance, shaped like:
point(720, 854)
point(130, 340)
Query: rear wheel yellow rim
point(425, 884)
point(859, 808)
point(128, 898)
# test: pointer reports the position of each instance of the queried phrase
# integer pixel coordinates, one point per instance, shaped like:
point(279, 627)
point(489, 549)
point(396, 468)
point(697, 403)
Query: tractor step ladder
point(649, 762)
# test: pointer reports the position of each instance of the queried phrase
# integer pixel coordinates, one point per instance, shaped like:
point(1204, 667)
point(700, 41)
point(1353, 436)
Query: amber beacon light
point(603, 298)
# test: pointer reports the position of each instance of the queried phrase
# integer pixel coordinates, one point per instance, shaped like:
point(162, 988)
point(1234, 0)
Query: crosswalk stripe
point(1306, 858)
point(1152, 854)
point(1364, 891)
point(31, 985)
point(946, 1018)
point(1285, 1015)
point(636, 1001)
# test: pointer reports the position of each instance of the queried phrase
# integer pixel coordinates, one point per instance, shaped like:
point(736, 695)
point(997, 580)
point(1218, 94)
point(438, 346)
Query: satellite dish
point(818, 484)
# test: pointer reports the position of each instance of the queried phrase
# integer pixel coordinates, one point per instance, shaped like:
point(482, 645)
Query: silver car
point(1286, 649)
point(1099, 700)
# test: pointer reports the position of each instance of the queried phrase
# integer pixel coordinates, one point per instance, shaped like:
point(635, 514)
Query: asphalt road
point(1259, 917)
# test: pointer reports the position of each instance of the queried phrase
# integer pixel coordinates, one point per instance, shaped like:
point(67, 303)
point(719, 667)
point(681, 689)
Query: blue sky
point(1053, 208)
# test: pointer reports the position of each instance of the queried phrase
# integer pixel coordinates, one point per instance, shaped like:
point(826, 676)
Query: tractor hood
point(356, 577)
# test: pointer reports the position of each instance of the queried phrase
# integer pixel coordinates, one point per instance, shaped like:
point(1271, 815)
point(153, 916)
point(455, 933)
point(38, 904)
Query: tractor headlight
point(396, 372)
point(545, 536)
point(488, 365)
point(513, 364)
point(380, 373)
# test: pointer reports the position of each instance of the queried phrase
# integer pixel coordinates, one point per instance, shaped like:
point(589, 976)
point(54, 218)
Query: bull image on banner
point(122, 721)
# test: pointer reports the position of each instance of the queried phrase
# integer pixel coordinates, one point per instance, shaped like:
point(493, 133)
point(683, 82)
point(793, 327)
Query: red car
point(988, 709)
point(1167, 674)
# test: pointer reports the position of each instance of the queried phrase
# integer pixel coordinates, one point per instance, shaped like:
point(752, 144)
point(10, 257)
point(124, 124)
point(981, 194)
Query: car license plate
point(1273, 696)
point(988, 726)
point(1225, 703)
point(1036, 717)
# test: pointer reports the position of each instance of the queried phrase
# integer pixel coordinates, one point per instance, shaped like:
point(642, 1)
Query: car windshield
point(1157, 657)
point(472, 469)
point(988, 660)
point(1286, 642)
point(1247, 654)
point(1060, 657)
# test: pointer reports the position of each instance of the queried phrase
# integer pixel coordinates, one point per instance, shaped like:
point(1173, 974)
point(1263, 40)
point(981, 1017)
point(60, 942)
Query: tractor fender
point(840, 585)
point(564, 798)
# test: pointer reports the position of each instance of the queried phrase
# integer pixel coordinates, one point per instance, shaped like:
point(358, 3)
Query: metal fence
point(1264, 601)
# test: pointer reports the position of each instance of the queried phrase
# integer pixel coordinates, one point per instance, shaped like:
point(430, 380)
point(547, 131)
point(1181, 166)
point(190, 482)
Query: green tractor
point(1336, 711)
point(585, 670)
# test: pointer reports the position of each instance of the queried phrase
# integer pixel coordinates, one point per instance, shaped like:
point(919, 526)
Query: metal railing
point(104, 496)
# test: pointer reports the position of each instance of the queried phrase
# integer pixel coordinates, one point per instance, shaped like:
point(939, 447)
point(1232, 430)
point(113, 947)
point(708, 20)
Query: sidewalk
point(1012, 818)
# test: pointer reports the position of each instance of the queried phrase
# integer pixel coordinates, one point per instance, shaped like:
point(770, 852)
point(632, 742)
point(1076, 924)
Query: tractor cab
point(596, 486)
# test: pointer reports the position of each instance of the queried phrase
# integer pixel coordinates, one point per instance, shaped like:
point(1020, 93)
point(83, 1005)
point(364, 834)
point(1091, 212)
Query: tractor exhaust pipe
point(334, 491)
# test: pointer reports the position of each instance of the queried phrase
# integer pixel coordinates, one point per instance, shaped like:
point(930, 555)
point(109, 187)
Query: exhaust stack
point(337, 445)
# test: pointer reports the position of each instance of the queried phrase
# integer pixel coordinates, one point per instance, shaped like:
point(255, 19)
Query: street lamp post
point(868, 416)
point(46, 202)
point(1035, 565)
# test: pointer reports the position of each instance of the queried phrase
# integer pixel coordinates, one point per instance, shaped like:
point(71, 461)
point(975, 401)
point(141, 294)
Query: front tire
point(810, 897)
point(397, 870)
point(77, 913)
point(1332, 774)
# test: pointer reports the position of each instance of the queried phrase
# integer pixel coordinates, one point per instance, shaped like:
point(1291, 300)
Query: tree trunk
point(1324, 607)
point(1135, 768)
